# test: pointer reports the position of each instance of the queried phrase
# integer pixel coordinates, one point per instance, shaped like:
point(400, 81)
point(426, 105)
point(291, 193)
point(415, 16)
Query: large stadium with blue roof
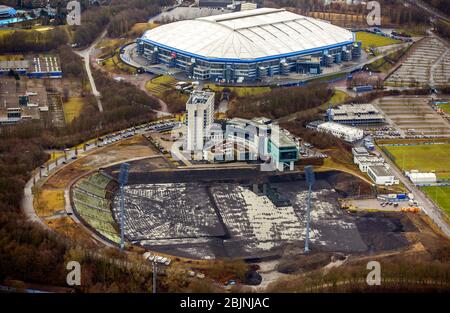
point(249, 45)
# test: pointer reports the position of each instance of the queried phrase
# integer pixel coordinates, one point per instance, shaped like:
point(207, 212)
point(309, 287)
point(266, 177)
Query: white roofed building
point(248, 45)
point(343, 132)
point(419, 178)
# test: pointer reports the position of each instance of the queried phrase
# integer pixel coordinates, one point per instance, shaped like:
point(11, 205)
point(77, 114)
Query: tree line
point(281, 101)
point(32, 41)
point(394, 10)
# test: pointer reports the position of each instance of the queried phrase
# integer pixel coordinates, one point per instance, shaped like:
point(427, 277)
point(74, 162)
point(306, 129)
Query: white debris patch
point(269, 222)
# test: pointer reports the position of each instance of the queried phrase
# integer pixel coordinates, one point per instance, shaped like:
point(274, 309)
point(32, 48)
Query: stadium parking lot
point(427, 63)
point(413, 117)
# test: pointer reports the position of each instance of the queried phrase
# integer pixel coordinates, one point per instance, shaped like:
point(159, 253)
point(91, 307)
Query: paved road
point(85, 54)
point(427, 205)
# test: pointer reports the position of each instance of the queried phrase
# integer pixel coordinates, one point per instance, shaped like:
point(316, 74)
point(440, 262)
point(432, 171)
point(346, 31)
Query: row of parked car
point(154, 258)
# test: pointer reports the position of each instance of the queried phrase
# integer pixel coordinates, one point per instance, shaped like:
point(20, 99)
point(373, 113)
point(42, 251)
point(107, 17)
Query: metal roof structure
point(6, 10)
point(256, 35)
point(349, 112)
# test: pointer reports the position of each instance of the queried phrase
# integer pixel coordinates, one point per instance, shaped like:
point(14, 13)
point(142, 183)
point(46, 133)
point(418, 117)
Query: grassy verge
point(160, 85)
point(338, 97)
point(242, 91)
point(49, 201)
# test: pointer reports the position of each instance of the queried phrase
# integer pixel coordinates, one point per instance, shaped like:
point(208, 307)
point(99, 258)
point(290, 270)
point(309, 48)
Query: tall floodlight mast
point(123, 179)
point(310, 179)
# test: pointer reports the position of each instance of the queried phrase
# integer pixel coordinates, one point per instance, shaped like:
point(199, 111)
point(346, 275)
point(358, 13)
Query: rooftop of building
point(200, 97)
point(6, 9)
point(380, 170)
point(356, 111)
point(249, 35)
point(340, 128)
point(418, 175)
point(30, 98)
point(369, 159)
point(360, 151)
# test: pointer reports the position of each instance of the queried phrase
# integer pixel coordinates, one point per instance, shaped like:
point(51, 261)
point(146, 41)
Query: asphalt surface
point(85, 54)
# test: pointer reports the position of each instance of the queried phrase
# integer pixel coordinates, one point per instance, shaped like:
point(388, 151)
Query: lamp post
point(123, 179)
point(309, 175)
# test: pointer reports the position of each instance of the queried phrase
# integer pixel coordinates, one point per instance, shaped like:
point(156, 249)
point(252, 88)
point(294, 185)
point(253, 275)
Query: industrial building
point(363, 159)
point(381, 175)
point(343, 132)
point(248, 45)
point(356, 114)
point(20, 101)
point(33, 67)
point(200, 117)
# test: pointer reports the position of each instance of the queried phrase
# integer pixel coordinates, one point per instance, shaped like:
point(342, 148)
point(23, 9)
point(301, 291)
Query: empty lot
point(414, 113)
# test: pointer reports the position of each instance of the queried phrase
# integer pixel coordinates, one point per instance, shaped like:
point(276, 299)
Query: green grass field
point(440, 195)
point(423, 158)
point(242, 91)
point(338, 97)
point(445, 107)
point(372, 40)
point(72, 109)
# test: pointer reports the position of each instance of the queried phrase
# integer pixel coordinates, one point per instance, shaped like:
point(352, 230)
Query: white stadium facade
point(248, 45)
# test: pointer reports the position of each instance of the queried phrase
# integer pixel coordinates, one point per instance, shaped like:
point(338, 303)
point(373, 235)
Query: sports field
point(426, 157)
point(440, 195)
point(372, 40)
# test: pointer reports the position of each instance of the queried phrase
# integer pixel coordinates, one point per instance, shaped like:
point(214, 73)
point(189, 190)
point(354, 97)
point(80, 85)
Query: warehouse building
point(419, 178)
point(381, 175)
point(33, 67)
point(344, 132)
point(356, 114)
point(248, 45)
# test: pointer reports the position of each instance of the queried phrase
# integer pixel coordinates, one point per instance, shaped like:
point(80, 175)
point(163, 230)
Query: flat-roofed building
point(343, 132)
point(381, 175)
point(19, 66)
point(356, 114)
point(283, 149)
point(47, 66)
point(20, 100)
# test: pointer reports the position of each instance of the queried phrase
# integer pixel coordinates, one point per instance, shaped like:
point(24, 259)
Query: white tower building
point(200, 116)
